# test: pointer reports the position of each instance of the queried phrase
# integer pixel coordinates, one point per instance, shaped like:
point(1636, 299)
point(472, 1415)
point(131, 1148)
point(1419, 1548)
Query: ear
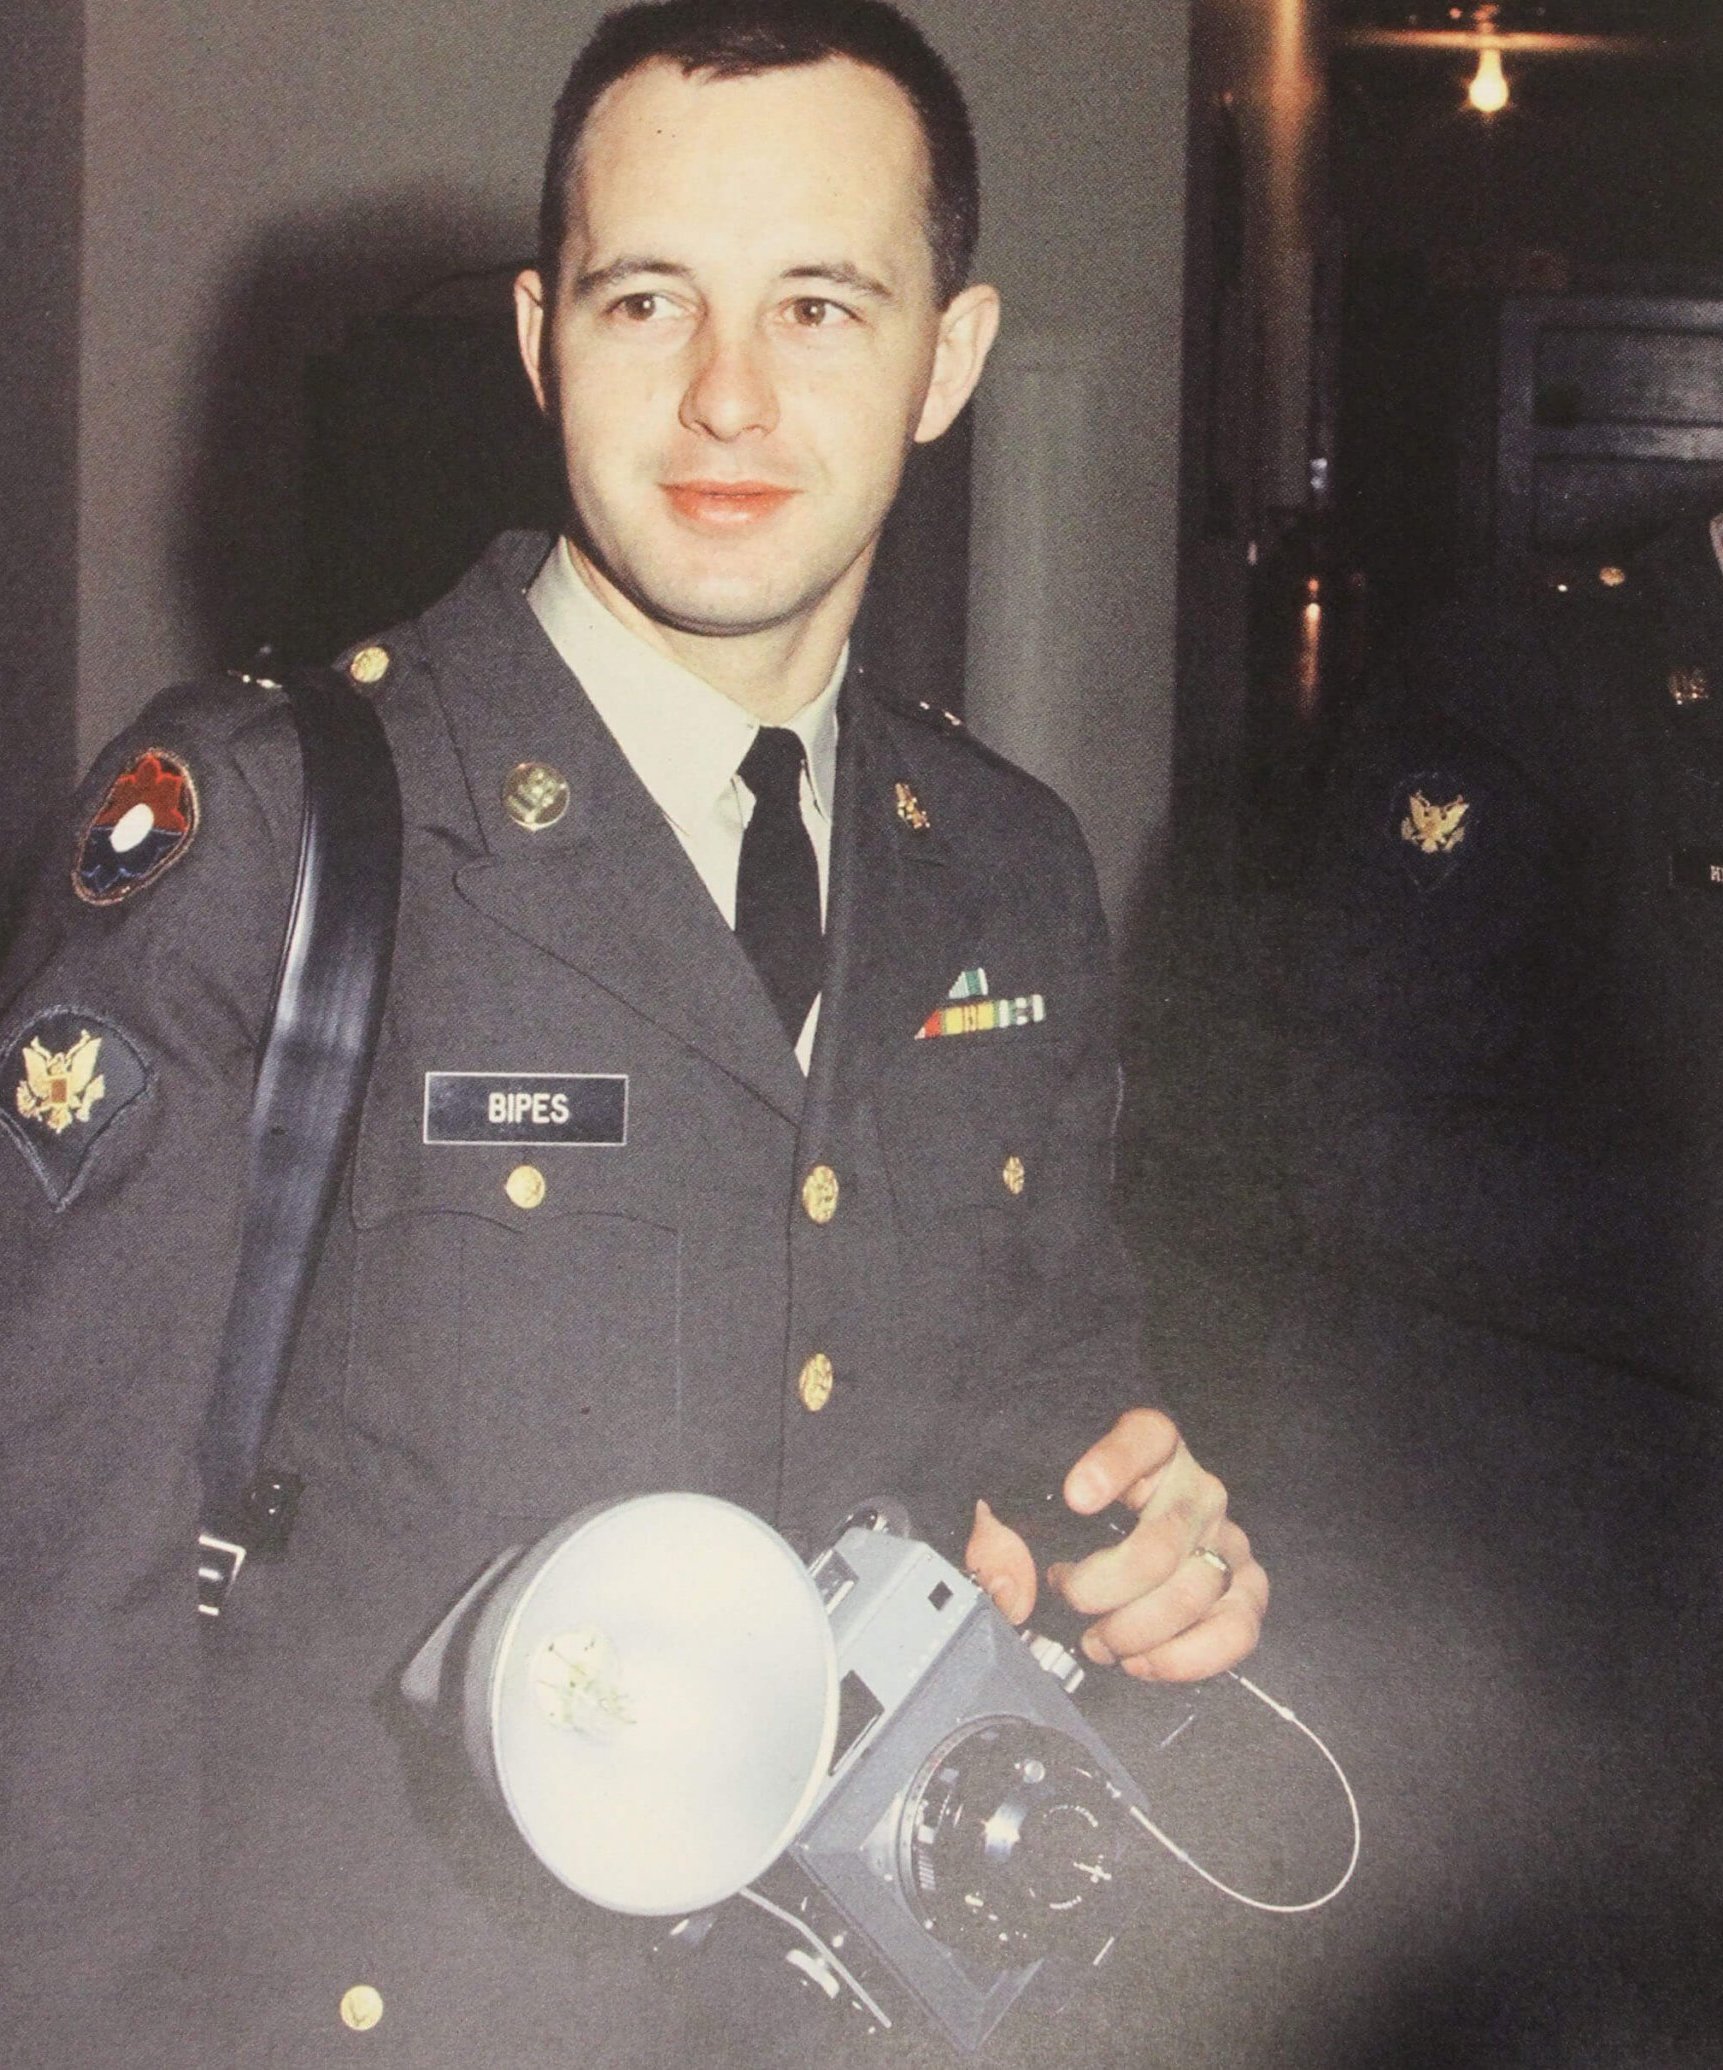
point(967, 328)
point(530, 329)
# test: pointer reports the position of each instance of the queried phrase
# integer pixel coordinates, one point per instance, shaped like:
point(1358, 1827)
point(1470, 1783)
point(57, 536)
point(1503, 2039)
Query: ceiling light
point(1488, 91)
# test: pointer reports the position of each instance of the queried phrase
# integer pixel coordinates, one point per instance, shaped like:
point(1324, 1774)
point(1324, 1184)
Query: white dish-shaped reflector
point(660, 1694)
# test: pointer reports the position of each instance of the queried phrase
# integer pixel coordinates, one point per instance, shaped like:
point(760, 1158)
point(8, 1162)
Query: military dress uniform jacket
point(897, 1275)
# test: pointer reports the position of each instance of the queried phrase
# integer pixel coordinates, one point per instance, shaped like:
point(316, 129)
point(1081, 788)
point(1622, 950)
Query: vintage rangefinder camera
point(673, 1710)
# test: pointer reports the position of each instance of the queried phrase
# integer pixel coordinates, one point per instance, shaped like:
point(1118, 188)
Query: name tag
point(1697, 869)
point(572, 1107)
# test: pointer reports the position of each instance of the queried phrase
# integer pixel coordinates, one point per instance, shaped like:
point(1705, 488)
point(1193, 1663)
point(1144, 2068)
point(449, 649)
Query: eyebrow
point(633, 265)
point(842, 274)
point(628, 267)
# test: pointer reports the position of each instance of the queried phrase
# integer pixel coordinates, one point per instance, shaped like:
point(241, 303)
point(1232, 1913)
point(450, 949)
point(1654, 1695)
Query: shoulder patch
point(141, 828)
point(64, 1080)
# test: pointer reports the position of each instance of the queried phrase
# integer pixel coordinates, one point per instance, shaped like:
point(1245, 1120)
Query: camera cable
point(1258, 1904)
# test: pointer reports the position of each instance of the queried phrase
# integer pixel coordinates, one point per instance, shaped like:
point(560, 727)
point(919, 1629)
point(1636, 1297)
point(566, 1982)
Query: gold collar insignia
point(909, 810)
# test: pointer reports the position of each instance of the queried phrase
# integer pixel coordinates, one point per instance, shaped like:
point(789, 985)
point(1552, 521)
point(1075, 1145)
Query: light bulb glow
point(1488, 91)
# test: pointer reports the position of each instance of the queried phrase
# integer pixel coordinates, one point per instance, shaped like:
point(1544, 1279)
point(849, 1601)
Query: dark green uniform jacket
point(213, 1834)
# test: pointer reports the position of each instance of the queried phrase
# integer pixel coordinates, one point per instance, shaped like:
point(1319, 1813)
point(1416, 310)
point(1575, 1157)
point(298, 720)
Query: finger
point(1187, 1596)
point(1004, 1566)
point(1215, 1642)
point(1188, 1510)
point(1131, 1456)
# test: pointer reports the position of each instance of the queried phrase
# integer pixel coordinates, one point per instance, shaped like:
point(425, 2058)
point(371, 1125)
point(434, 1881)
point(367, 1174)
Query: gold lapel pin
point(909, 809)
point(535, 796)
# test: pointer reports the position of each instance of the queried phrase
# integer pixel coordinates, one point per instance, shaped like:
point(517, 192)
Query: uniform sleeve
point(132, 1007)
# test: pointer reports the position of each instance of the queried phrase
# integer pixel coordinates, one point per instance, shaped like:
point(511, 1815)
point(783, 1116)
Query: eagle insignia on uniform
point(73, 1074)
point(143, 826)
point(58, 1090)
point(1434, 829)
point(909, 810)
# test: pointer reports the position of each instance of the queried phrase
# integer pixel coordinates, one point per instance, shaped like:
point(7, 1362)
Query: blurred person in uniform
point(853, 1237)
point(1511, 981)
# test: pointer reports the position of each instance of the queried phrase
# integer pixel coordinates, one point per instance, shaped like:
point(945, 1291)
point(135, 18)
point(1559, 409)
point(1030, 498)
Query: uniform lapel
point(903, 906)
point(607, 890)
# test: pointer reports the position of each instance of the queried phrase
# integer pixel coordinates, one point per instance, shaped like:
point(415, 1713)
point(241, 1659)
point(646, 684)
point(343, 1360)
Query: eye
point(817, 313)
point(642, 307)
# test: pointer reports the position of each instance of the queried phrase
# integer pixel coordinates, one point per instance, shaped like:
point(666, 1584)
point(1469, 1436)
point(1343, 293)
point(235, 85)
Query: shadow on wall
point(302, 289)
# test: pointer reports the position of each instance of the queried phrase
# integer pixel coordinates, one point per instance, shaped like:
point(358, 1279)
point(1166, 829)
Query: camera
point(972, 1828)
point(667, 1705)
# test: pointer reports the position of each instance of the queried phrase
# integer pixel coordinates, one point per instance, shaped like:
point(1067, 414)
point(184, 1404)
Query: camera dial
point(1008, 1841)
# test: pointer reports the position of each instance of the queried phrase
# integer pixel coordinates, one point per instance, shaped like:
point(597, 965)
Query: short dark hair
point(733, 39)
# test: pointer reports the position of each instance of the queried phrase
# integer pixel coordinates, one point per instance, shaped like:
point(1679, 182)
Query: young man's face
point(746, 338)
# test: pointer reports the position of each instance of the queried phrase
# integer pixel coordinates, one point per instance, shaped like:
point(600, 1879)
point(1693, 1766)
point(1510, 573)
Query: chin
point(723, 607)
point(716, 621)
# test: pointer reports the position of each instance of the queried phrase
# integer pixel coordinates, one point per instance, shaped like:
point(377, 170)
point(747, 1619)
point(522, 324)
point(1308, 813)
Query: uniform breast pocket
point(516, 1328)
point(966, 1124)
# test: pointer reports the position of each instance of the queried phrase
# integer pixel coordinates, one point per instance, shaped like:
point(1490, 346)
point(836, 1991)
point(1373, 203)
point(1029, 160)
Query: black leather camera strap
point(313, 1062)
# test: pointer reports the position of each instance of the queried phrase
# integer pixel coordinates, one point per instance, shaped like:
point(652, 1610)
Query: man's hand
point(1164, 1613)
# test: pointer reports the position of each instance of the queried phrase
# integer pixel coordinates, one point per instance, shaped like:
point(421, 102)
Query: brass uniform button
point(1612, 578)
point(1689, 686)
point(361, 2008)
point(820, 1194)
point(1014, 1175)
point(525, 1186)
point(370, 665)
point(816, 1382)
point(535, 796)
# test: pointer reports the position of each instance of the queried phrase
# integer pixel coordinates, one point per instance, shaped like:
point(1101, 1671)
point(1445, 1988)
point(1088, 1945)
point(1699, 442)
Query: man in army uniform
point(832, 1238)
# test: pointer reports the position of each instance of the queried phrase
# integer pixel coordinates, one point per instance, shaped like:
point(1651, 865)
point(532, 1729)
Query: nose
point(730, 388)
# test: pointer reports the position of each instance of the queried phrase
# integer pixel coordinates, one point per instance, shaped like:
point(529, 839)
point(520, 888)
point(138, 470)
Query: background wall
point(257, 178)
point(1075, 540)
point(1255, 234)
point(40, 113)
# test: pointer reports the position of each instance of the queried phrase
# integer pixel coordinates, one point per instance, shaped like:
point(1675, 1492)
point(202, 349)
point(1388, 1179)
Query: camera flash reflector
point(653, 1693)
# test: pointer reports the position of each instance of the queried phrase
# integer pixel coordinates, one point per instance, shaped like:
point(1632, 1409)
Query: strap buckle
point(260, 1533)
point(218, 1563)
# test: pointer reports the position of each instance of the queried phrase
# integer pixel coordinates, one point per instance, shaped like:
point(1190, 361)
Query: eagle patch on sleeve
point(64, 1080)
point(1428, 824)
point(142, 827)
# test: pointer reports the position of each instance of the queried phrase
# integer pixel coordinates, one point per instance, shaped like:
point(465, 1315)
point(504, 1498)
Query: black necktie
point(778, 880)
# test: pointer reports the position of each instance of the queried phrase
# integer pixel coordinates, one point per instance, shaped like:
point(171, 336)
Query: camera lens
point(1008, 1842)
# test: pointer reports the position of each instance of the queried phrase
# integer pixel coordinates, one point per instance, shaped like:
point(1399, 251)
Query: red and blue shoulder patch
point(142, 827)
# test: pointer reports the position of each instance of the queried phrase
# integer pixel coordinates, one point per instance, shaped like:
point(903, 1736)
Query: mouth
point(726, 506)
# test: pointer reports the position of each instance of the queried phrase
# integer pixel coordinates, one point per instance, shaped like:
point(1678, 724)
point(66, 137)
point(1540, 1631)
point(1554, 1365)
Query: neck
point(772, 673)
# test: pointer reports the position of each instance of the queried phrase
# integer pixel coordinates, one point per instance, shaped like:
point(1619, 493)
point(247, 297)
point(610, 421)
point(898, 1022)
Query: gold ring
point(1220, 1560)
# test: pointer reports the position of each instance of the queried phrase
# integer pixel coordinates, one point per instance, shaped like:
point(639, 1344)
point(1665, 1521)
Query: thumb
point(1001, 1563)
